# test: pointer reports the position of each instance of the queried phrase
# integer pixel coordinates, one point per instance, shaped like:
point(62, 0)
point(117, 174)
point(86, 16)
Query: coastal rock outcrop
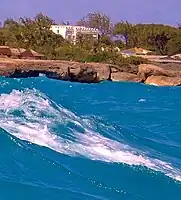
point(161, 75)
point(163, 81)
point(124, 76)
point(86, 72)
point(130, 68)
point(146, 70)
point(62, 70)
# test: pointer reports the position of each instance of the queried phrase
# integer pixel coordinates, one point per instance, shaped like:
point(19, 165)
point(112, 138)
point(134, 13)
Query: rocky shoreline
point(153, 74)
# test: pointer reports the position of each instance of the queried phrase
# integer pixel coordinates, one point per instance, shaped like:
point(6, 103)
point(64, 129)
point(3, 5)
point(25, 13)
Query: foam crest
point(31, 116)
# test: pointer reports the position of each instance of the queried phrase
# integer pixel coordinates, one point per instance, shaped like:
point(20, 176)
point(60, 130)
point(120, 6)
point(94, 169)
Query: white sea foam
point(37, 115)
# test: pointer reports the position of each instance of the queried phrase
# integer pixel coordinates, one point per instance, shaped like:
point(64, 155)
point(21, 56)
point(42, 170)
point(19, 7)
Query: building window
point(58, 32)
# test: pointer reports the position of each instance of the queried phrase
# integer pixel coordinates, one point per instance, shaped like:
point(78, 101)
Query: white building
point(70, 32)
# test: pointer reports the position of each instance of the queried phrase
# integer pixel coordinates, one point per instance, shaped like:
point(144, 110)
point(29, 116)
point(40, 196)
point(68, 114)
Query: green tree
point(97, 20)
point(159, 41)
point(174, 44)
point(127, 32)
point(3, 36)
point(33, 33)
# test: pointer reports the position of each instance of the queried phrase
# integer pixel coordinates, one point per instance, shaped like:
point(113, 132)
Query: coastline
point(158, 74)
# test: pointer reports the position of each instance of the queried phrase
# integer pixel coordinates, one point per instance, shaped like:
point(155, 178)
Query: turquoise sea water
point(108, 141)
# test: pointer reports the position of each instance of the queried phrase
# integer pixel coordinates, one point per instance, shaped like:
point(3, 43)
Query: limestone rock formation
point(124, 76)
point(161, 75)
point(62, 70)
point(163, 81)
point(146, 70)
point(84, 72)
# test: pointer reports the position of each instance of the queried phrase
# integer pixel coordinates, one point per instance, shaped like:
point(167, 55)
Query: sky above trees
point(135, 11)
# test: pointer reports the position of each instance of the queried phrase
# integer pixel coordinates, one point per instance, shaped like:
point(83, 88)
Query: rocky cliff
point(161, 75)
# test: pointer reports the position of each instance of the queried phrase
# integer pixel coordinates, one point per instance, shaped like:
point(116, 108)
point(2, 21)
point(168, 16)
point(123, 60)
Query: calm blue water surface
point(108, 141)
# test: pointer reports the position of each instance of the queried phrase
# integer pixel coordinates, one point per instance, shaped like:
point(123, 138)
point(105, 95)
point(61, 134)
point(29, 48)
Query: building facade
point(71, 32)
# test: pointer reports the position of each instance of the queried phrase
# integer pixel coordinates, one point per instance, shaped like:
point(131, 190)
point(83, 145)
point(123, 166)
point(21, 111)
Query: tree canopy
point(35, 33)
point(31, 33)
point(97, 20)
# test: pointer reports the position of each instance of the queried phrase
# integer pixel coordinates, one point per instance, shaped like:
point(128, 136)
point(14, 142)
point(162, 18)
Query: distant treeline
point(35, 33)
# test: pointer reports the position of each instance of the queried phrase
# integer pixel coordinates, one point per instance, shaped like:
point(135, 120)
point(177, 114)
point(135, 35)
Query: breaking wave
point(32, 116)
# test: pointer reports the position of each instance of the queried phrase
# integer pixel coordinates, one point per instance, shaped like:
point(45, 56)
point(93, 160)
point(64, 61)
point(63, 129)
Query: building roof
point(128, 51)
point(35, 53)
point(3, 47)
point(17, 51)
point(135, 51)
point(30, 52)
point(5, 50)
point(83, 28)
point(176, 56)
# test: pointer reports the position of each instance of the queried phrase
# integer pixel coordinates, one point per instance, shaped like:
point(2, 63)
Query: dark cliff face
point(24, 74)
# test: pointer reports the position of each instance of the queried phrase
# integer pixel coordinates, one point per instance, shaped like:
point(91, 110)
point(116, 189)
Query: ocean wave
point(31, 116)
